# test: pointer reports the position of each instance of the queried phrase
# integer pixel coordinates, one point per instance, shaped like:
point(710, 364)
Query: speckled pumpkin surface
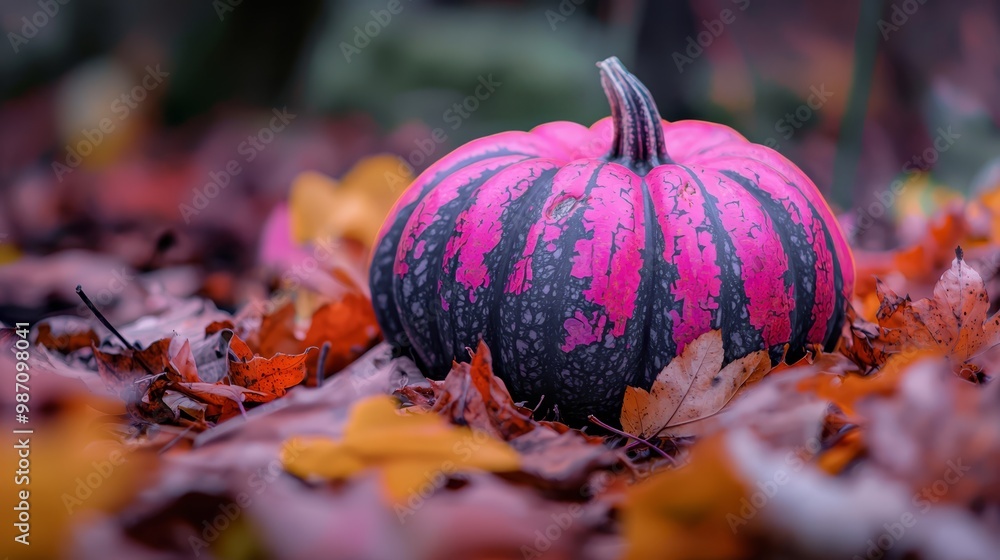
point(587, 258)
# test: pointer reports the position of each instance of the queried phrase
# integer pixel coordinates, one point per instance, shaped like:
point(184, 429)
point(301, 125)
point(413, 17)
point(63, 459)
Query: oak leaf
point(410, 449)
point(691, 387)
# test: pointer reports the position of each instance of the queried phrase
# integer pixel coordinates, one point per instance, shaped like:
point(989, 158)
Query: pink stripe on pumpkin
point(570, 182)
point(612, 256)
point(478, 229)
point(762, 259)
point(428, 209)
point(680, 212)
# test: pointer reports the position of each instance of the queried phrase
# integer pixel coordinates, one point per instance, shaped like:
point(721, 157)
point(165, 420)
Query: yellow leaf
point(693, 386)
point(408, 448)
point(354, 208)
point(687, 513)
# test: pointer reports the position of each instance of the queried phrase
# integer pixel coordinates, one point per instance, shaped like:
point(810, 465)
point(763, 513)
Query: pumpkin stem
point(638, 141)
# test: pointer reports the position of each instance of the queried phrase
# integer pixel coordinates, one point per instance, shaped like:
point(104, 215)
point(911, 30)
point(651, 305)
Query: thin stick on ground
point(661, 452)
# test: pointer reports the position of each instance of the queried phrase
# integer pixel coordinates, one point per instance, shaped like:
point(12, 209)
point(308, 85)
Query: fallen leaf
point(66, 334)
point(277, 333)
point(692, 386)
point(861, 342)
point(848, 389)
point(266, 377)
point(472, 396)
point(563, 461)
point(685, 513)
point(954, 321)
point(349, 326)
point(354, 208)
point(406, 448)
point(225, 401)
point(135, 376)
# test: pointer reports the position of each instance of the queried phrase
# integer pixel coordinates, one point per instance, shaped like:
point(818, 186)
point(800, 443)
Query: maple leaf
point(472, 396)
point(267, 378)
point(406, 447)
point(691, 387)
point(953, 322)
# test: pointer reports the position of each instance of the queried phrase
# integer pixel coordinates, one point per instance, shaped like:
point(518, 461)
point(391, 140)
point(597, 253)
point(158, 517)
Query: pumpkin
point(587, 258)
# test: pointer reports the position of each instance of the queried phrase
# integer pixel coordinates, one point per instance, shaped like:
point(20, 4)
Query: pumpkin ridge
point(654, 247)
point(733, 315)
point(801, 256)
point(416, 288)
point(387, 242)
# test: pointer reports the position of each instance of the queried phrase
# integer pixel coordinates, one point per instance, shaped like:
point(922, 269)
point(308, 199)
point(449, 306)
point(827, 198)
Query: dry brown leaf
point(66, 334)
point(472, 396)
point(405, 447)
point(861, 342)
point(135, 377)
point(693, 386)
point(846, 390)
point(953, 322)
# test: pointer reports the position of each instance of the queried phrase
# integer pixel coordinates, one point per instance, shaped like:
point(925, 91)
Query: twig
point(104, 321)
point(662, 453)
point(321, 363)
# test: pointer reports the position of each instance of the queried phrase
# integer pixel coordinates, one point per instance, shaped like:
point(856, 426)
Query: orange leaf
point(348, 325)
point(954, 321)
point(271, 376)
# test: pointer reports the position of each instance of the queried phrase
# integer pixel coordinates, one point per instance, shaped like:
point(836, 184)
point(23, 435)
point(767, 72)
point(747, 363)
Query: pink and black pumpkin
point(587, 258)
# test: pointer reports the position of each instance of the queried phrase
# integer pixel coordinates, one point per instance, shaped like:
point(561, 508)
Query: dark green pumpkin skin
point(587, 258)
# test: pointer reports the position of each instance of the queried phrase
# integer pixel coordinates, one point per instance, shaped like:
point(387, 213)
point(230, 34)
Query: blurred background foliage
point(757, 68)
